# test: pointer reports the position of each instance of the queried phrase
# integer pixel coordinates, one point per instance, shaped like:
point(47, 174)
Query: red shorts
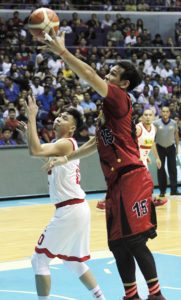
point(129, 208)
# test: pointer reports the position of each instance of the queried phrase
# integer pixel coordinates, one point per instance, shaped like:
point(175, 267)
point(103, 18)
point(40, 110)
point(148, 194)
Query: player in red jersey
point(130, 213)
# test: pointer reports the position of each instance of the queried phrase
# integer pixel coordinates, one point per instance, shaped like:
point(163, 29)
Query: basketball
point(42, 20)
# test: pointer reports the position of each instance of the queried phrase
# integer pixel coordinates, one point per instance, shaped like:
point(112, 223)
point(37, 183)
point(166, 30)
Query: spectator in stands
point(47, 133)
point(130, 40)
point(55, 64)
point(166, 71)
point(139, 26)
point(6, 112)
point(178, 32)
point(36, 87)
point(93, 22)
point(106, 22)
point(82, 46)
point(153, 69)
point(162, 87)
point(46, 98)
point(169, 85)
point(146, 37)
point(6, 138)
point(153, 106)
point(130, 5)
point(3, 100)
point(79, 93)
point(75, 104)
point(91, 125)
point(6, 65)
point(68, 74)
point(14, 71)
point(82, 135)
point(108, 5)
point(50, 81)
point(175, 78)
point(146, 81)
point(143, 6)
point(144, 96)
point(173, 110)
point(88, 105)
point(22, 115)
point(11, 89)
point(11, 121)
point(158, 5)
point(157, 97)
point(157, 41)
point(115, 35)
point(65, 27)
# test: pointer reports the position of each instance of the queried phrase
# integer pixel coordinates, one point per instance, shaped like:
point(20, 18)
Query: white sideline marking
point(111, 262)
point(107, 271)
point(33, 293)
point(171, 288)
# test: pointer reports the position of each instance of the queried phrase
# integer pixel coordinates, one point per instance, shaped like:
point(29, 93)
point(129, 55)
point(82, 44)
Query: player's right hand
point(54, 43)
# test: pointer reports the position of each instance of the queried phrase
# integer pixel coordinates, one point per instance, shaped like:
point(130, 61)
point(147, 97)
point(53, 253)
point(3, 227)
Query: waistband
point(129, 168)
point(69, 202)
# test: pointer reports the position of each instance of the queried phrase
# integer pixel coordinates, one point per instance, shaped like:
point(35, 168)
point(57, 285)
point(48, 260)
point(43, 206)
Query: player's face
point(64, 124)
point(147, 117)
point(114, 75)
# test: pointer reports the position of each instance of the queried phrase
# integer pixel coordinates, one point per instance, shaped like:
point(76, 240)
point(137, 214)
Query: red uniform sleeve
point(117, 101)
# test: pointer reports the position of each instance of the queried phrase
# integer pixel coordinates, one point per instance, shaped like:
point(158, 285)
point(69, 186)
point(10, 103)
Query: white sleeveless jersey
point(64, 181)
point(146, 141)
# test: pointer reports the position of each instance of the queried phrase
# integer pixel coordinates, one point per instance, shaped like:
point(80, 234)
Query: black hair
point(76, 115)
point(6, 129)
point(130, 73)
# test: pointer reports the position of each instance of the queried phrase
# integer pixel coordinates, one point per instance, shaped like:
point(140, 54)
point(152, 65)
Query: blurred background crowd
point(98, 41)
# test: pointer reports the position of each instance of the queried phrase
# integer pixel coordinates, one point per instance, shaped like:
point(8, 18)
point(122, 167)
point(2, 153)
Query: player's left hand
point(53, 162)
point(158, 163)
point(31, 107)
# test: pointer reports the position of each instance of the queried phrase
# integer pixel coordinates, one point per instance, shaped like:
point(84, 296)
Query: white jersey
point(146, 141)
point(64, 181)
point(67, 234)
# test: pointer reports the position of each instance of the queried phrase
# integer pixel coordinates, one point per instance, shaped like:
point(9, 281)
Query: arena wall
point(155, 22)
point(22, 175)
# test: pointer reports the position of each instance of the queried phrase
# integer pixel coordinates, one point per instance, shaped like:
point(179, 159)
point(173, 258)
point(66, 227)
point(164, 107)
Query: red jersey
point(116, 134)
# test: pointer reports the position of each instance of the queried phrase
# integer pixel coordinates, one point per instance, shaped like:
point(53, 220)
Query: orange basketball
point(42, 20)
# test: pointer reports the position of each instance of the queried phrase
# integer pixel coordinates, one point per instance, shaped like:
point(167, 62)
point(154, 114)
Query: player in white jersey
point(146, 132)
point(67, 234)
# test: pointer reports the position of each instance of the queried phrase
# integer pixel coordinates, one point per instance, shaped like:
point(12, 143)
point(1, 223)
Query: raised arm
point(56, 44)
point(59, 148)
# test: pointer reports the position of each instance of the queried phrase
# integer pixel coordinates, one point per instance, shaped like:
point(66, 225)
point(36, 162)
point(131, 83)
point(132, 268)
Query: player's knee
point(79, 268)
point(40, 264)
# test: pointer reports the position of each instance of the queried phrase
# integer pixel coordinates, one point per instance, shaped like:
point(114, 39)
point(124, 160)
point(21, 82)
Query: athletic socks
point(97, 293)
point(154, 287)
point(43, 298)
point(131, 291)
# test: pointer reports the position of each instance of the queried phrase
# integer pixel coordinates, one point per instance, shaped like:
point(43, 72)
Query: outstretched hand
point(31, 107)
point(53, 42)
point(53, 162)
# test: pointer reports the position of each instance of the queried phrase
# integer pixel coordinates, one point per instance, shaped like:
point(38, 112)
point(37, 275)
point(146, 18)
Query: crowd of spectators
point(56, 87)
point(105, 5)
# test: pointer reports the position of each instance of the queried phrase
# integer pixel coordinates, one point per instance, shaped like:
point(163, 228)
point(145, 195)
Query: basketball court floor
point(22, 222)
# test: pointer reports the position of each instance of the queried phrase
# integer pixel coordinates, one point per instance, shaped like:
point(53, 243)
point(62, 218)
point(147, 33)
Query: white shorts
point(68, 233)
